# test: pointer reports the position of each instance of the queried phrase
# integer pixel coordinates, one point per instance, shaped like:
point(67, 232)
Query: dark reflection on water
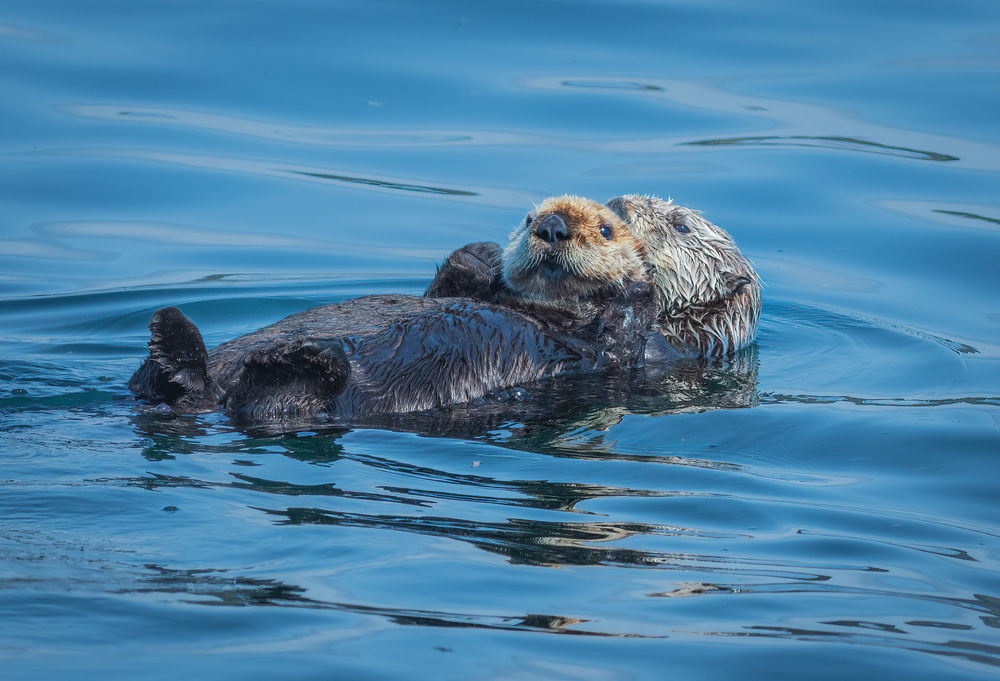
point(386, 184)
point(245, 482)
point(777, 398)
point(971, 216)
point(612, 85)
point(826, 142)
point(521, 541)
point(227, 590)
point(973, 652)
point(896, 635)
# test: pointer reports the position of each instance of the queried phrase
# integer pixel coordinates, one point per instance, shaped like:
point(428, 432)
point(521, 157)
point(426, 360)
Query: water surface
point(822, 506)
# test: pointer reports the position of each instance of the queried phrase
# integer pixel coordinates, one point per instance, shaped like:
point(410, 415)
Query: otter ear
point(734, 283)
point(617, 206)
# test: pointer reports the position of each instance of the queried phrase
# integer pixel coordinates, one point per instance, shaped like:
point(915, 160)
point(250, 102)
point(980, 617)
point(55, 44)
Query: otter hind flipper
point(176, 372)
point(290, 379)
point(472, 271)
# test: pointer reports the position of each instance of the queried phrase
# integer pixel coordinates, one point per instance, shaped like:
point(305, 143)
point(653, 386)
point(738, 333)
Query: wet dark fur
point(387, 354)
point(579, 300)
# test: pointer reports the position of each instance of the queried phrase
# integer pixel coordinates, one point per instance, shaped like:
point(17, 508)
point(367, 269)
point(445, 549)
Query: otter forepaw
point(639, 290)
point(623, 327)
point(472, 271)
point(638, 296)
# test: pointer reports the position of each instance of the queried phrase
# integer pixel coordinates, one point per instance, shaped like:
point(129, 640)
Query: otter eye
point(527, 221)
point(606, 231)
point(682, 228)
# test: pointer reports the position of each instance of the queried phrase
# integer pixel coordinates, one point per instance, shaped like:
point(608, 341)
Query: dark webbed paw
point(294, 378)
point(623, 327)
point(176, 372)
point(472, 271)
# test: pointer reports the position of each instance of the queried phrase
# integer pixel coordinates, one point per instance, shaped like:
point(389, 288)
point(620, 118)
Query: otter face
point(569, 248)
point(709, 293)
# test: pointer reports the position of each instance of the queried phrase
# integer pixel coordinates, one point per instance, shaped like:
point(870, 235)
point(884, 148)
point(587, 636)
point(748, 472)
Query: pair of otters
point(581, 287)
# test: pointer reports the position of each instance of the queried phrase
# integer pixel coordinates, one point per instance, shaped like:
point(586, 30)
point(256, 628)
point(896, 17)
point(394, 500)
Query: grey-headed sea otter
point(708, 294)
point(579, 298)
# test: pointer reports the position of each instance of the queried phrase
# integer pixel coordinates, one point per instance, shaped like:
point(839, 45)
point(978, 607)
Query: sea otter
point(707, 291)
point(579, 299)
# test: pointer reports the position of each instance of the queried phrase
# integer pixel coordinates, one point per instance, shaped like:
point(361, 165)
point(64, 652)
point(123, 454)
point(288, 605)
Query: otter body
point(394, 354)
point(708, 294)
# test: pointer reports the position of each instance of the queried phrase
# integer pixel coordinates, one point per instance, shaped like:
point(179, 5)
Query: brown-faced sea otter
point(708, 294)
point(579, 299)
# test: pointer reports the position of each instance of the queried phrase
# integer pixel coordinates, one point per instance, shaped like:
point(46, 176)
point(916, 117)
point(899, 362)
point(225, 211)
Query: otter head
point(708, 291)
point(570, 248)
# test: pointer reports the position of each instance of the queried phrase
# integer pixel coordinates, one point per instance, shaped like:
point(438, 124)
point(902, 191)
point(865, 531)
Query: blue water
point(824, 507)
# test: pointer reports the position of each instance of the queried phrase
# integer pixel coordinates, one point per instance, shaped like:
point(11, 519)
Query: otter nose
point(552, 228)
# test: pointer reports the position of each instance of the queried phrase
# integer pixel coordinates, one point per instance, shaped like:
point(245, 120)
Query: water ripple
point(196, 235)
point(490, 195)
point(777, 398)
point(802, 124)
point(827, 142)
point(982, 653)
point(953, 214)
point(384, 184)
point(270, 130)
point(247, 591)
